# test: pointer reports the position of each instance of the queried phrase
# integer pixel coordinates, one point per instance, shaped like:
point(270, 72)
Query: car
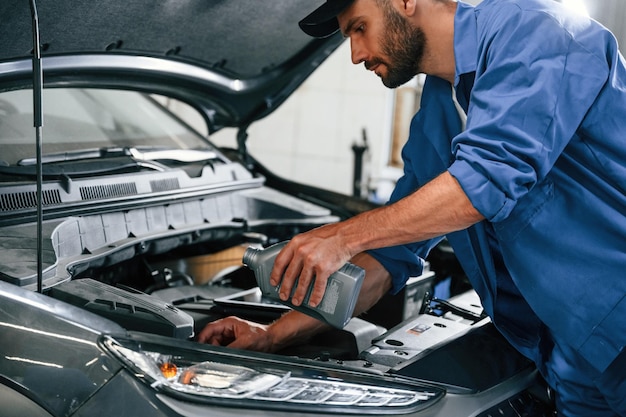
point(123, 228)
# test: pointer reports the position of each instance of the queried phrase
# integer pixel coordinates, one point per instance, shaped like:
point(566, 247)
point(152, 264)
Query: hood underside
point(235, 60)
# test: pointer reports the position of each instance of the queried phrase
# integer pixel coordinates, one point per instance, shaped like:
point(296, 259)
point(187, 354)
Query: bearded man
point(531, 194)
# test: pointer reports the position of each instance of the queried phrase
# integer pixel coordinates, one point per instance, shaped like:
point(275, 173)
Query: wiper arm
point(106, 160)
point(177, 155)
point(78, 155)
point(82, 168)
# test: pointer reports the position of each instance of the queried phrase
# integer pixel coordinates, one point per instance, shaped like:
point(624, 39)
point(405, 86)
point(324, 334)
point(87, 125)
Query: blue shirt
point(543, 158)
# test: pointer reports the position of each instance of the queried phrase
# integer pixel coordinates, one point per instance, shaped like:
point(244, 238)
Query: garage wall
point(612, 14)
point(309, 138)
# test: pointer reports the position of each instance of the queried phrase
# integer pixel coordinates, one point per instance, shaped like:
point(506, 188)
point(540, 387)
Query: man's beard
point(404, 47)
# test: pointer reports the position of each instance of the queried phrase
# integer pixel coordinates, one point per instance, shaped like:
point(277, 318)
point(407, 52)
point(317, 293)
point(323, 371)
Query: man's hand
point(237, 333)
point(310, 258)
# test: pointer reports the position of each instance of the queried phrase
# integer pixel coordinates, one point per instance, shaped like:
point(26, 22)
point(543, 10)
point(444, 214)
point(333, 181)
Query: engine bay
point(170, 269)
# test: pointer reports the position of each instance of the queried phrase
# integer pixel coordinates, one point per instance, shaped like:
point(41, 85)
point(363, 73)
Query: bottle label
point(331, 297)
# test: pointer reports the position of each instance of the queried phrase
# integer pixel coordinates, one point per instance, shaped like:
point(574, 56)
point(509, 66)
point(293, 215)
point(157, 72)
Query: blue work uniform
point(543, 159)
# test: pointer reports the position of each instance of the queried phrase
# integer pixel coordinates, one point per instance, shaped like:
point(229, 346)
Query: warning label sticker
point(418, 329)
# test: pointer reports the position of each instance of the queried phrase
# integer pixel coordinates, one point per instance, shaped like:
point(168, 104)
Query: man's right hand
point(239, 334)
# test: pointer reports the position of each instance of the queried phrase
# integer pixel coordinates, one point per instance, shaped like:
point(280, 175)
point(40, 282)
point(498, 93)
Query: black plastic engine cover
point(131, 309)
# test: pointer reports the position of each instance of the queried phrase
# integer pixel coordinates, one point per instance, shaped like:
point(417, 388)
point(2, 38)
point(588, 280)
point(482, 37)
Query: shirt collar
point(465, 46)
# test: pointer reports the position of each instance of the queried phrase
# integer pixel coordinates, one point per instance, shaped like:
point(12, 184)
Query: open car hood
point(234, 60)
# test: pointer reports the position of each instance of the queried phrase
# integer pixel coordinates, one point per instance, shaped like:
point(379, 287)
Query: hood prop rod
point(38, 124)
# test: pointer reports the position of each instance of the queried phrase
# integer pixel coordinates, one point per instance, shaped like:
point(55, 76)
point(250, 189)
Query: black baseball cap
point(322, 22)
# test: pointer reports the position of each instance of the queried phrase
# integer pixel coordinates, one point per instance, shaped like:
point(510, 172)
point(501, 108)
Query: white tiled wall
point(309, 138)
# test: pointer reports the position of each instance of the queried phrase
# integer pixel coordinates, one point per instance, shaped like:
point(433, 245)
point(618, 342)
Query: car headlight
point(203, 373)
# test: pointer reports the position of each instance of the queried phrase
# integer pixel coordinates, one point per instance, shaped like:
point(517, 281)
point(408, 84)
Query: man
point(531, 195)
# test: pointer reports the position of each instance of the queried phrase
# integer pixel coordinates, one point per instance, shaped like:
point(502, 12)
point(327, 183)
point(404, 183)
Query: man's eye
point(360, 28)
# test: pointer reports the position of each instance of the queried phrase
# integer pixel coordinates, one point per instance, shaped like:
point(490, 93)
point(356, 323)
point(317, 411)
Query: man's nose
point(358, 52)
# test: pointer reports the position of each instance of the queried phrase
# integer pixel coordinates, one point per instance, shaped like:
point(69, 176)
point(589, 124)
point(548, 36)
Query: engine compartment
point(177, 293)
point(168, 269)
point(176, 290)
point(172, 281)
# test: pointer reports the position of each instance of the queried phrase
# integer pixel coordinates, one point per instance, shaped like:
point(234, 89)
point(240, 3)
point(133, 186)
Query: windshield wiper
point(176, 155)
point(81, 168)
point(100, 161)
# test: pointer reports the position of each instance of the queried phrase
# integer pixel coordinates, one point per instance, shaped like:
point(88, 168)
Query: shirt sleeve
point(533, 86)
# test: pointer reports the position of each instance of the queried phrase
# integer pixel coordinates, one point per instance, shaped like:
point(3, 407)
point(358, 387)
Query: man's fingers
point(206, 334)
point(304, 266)
point(290, 269)
point(319, 288)
point(215, 339)
point(218, 333)
point(281, 263)
point(293, 273)
point(304, 281)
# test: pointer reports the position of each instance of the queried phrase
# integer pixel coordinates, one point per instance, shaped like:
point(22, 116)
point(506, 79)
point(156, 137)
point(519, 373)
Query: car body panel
point(52, 352)
point(234, 83)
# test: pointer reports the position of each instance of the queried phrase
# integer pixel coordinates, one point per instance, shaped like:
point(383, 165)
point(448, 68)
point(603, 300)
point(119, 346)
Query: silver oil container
point(342, 287)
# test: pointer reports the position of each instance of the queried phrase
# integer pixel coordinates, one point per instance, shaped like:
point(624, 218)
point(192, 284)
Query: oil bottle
point(339, 300)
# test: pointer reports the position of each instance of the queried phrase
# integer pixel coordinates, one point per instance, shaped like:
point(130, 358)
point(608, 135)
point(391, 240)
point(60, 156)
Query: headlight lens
point(208, 374)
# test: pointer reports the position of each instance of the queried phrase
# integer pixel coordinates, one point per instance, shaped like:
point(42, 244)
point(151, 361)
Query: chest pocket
point(525, 211)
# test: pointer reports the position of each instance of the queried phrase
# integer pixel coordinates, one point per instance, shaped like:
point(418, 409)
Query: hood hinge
point(242, 137)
